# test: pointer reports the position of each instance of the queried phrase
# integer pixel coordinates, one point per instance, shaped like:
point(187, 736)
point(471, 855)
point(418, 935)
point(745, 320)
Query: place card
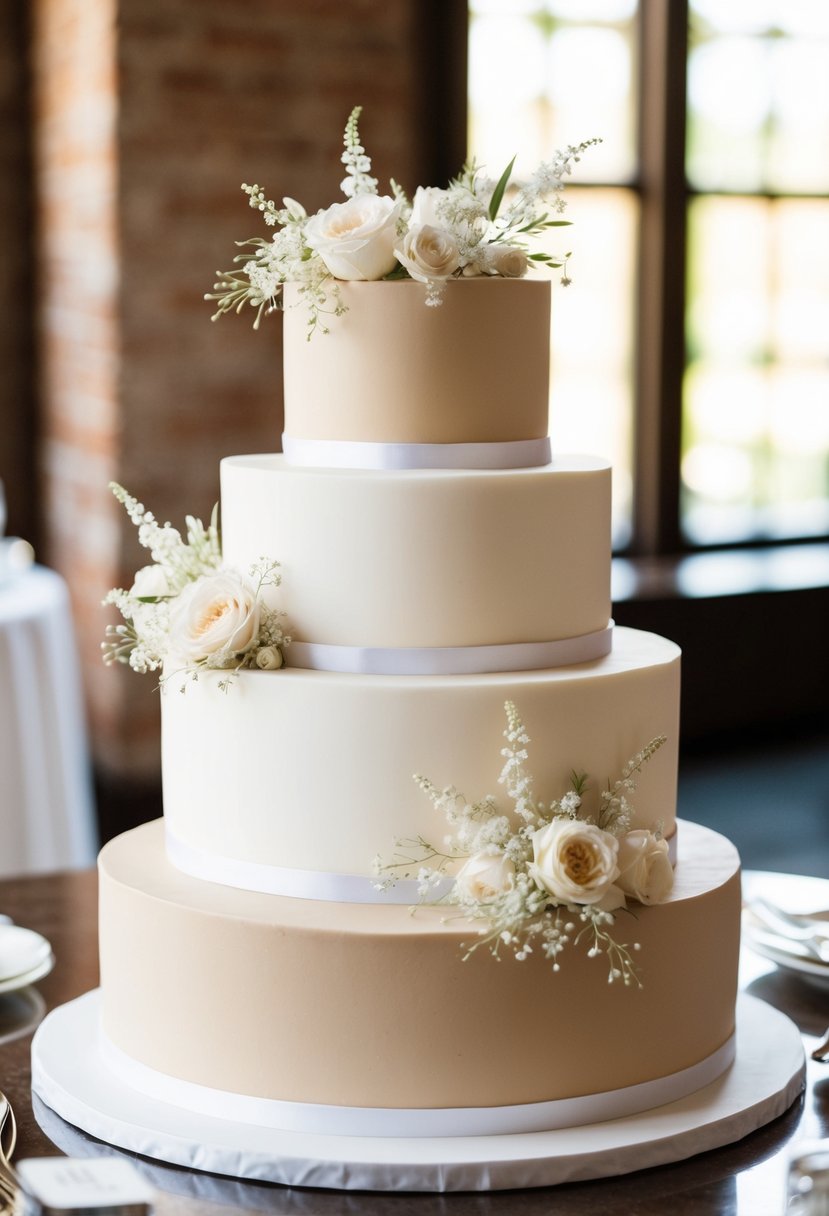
point(80, 1186)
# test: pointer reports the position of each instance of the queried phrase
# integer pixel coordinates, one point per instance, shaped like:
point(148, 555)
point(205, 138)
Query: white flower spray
point(539, 877)
point(187, 578)
point(476, 226)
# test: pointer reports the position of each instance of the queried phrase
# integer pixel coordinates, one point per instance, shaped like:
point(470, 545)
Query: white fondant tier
point(427, 558)
point(311, 770)
point(475, 369)
point(374, 1007)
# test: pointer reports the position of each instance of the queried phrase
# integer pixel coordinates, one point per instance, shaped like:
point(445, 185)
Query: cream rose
point(428, 253)
point(355, 239)
point(576, 862)
point(645, 870)
point(218, 613)
point(509, 261)
point(484, 876)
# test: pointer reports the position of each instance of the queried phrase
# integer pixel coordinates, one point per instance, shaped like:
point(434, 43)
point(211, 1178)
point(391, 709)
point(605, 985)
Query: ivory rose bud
point(150, 583)
point(426, 207)
point(216, 614)
point(355, 239)
point(269, 658)
point(428, 253)
point(484, 876)
point(576, 862)
point(509, 261)
point(645, 870)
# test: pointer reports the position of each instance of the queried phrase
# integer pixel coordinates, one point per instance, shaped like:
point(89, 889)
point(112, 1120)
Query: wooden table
point(744, 1179)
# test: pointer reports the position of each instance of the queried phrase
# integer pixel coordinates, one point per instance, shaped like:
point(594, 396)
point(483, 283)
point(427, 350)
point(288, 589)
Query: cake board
point(69, 1077)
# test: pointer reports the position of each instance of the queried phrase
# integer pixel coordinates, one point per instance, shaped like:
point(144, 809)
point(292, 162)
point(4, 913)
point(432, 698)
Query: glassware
point(807, 1187)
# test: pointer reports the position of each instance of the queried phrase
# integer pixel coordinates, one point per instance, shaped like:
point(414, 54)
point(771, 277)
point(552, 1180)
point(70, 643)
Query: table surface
point(744, 1179)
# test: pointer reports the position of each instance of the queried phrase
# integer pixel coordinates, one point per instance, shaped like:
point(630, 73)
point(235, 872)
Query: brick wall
point(79, 339)
point(149, 115)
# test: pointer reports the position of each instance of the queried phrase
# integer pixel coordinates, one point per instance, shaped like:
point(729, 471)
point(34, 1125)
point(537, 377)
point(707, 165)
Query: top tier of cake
point(391, 369)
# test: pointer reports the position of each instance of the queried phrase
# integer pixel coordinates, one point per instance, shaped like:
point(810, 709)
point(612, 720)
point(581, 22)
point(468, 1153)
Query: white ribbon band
point(293, 883)
point(353, 454)
point(450, 660)
point(306, 884)
point(314, 1119)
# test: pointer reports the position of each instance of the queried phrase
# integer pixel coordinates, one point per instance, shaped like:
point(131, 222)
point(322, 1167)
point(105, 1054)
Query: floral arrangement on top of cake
point(189, 607)
point(555, 879)
point(467, 229)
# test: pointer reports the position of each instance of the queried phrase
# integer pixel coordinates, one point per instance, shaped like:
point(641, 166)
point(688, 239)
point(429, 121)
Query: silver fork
point(796, 921)
point(804, 930)
point(8, 1141)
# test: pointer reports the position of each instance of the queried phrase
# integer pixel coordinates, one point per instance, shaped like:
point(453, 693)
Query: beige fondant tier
point(373, 1006)
point(313, 770)
point(422, 558)
point(392, 369)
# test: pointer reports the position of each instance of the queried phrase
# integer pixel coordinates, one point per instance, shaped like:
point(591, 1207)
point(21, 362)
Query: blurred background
point(692, 347)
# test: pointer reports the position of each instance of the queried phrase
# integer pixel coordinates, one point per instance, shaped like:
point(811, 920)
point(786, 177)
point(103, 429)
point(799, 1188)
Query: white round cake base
point(70, 1077)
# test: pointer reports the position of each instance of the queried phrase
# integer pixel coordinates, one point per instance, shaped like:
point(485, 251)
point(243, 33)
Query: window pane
point(545, 75)
point(755, 458)
point(758, 96)
point(570, 74)
point(591, 398)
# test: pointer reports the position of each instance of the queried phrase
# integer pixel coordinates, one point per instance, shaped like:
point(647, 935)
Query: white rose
point(217, 613)
point(426, 207)
point(645, 870)
point(269, 658)
point(150, 582)
point(428, 253)
point(576, 862)
point(484, 876)
point(355, 239)
point(509, 261)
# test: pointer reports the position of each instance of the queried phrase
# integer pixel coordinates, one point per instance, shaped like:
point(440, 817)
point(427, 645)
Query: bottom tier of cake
point(363, 1006)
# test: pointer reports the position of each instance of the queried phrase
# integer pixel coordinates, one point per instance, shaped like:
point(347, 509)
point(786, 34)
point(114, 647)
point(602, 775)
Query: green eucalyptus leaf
point(399, 272)
point(498, 192)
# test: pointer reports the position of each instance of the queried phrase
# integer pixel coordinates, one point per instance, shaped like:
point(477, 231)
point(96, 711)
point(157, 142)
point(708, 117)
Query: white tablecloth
point(47, 819)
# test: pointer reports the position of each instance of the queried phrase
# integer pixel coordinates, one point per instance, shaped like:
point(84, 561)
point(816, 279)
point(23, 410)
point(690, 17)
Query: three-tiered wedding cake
point(437, 564)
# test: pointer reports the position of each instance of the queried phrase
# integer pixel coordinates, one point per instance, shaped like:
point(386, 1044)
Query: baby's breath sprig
point(615, 810)
point(181, 561)
point(358, 179)
point(620, 960)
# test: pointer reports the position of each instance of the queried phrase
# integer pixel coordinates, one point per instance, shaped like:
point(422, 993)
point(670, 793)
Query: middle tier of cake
point(427, 558)
point(300, 775)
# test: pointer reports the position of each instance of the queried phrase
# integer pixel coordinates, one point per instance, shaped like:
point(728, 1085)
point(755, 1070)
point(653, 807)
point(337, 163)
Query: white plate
point(795, 893)
point(785, 958)
point(21, 951)
point(15, 982)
